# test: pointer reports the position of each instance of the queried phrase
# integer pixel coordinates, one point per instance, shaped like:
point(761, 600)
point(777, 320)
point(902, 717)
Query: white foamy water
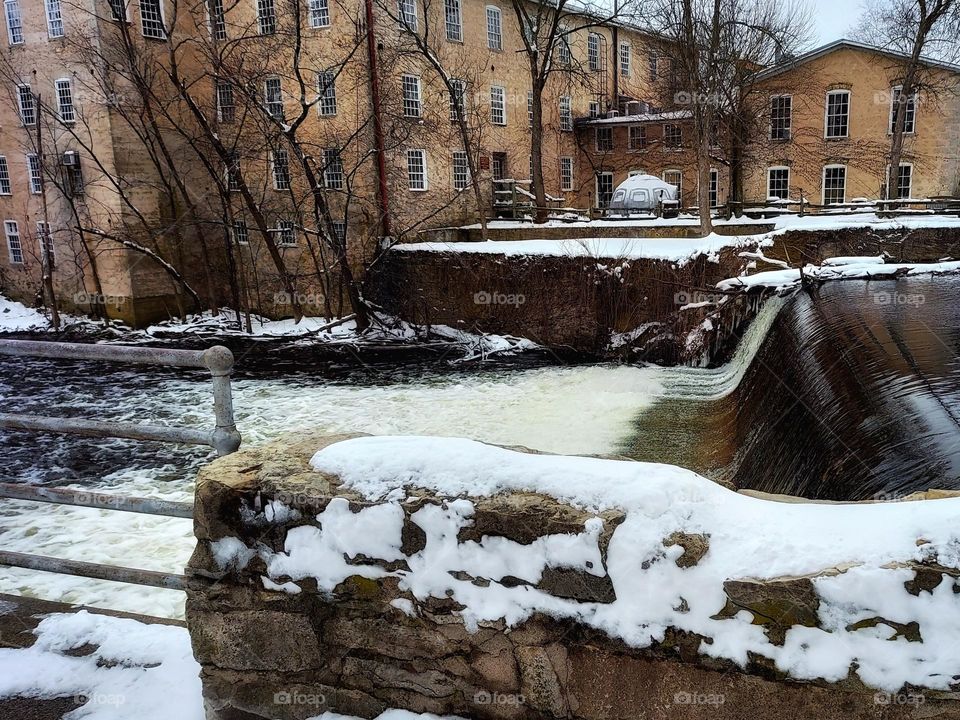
point(570, 410)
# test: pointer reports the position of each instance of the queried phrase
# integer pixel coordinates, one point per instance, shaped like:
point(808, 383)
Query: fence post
point(219, 361)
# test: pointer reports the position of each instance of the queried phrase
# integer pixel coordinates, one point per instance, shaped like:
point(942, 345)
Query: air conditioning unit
point(613, 113)
point(635, 107)
point(71, 158)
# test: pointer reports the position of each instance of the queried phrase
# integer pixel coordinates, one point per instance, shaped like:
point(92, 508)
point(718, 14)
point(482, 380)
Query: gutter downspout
point(377, 121)
point(616, 55)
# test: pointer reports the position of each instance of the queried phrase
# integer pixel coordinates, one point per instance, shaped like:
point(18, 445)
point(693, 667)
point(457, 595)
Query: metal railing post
point(219, 361)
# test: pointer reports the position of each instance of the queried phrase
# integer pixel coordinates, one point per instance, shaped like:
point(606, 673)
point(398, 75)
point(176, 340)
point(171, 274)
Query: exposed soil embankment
point(661, 310)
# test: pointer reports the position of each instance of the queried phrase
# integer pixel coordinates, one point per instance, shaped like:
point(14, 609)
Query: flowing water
point(852, 393)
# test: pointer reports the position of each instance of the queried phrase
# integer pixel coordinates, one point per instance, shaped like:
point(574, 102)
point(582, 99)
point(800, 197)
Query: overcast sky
point(834, 18)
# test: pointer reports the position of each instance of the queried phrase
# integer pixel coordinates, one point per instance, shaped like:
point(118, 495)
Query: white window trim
point(323, 96)
point(50, 24)
point(594, 36)
point(73, 105)
point(33, 105)
point(630, 129)
point(458, 7)
point(713, 173)
point(11, 11)
point(163, 21)
point(273, 171)
point(466, 170)
point(325, 4)
point(426, 177)
point(499, 15)
point(503, 105)
point(823, 182)
point(417, 98)
point(564, 187)
point(625, 70)
point(6, 165)
point(565, 111)
point(35, 189)
point(596, 138)
point(770, 169)
point(770, 129)
point(886, 178)
point(596, 185)
point(893, 92)
point(9, 236)
point(826, 113)
point(679, 186)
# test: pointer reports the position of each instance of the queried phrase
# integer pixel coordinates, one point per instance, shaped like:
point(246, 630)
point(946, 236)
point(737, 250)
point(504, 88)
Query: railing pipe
point(94, 499)
point(114, 573)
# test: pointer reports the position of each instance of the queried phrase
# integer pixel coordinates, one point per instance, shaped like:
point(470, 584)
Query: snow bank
point(841, 268)
point(137, 671)
point(17, 317)
point(679, 250)
point(857, 553)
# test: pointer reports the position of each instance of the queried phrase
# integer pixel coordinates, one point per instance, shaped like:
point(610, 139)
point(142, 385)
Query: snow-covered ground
point(137, 672)
point(17, 317)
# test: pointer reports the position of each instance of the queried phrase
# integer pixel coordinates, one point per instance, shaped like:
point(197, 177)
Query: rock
point(695, 546)
point(539, 684)
point(254, 640)
point(777, 604)
point(577, 585)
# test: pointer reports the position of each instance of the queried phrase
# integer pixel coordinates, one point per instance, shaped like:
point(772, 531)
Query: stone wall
point(289, 650)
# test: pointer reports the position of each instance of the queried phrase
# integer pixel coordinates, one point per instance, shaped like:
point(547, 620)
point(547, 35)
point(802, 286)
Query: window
point(28, 105)
point(12, 231)
point(594, 109)
point(45, 240)
point(241, 233)
point(54, 18)
point(232, 172)
point(411, 95)
point(566, 174)
point(454, 20)
point(909, 108)
point(904, 180)
point(118, 10)
point(151, 20)
point(675, 178)
point(654, 71)
point(34, 174)
point(458, 96)
point(461, 170)
point(266, 17)
point(530, 108)
point(327, 88)
point(65, 109)
point(593, 51)
point(636, 137)
point(625, 59)
point(834, 184)
point(332, 169)
point(218, 22)
point(498, 166)
point(604, 139)
point(564, 55)
point(604, 188)
point(498, 105)
point(226, 108)
point(494, 28)
point(5, 187)
point(11, 9)
point(778, 183)
point(319, 13)
point(407, 14)
point(714, 189)
point(339, 230)
point(273, 98)
point(781, 109)
point(837, 124)
point(673, 136)
point(417, 169)
point(566, 114)
point(286, 233)
point(72, 173)
point(281, 169)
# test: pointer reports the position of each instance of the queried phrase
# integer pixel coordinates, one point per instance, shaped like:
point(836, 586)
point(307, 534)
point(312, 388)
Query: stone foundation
point(290, 651)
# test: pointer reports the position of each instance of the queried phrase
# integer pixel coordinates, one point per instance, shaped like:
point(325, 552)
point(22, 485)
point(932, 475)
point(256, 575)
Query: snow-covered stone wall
point(446, 576)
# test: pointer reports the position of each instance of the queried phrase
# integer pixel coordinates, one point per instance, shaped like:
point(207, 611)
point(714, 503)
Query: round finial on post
point(218, 359)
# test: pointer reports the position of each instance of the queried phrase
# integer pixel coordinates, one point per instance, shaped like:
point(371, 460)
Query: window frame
point(498, 105)
point(327, 93)
point(678, 185)
point(273, 103)
point(460, 170)
point(266, 17)
point(778, 168)
point(333, 174)
point(13, 17)
point(424, 183)
point(607, 139)
point(216, 20)
point(45, 241)
point(6, 185)
point(318, 14)
point(153, 23)
point(564, 185)
point(642, 132)
point(53, 12)
point(596, 181)
point(625, 68)
point(565, 110)
point(453, 20)
point(668, 139)
point(823, 183)
point(786, 128)
point(280, 182)
point(283, 228)
point(910, 108)
point(226, 113)
point(458, 102)
point(494, 18)
point(59, 84)
point(407, 15)
point(34, 174)
point(826, 114)
point(593, 52)
point(22, 107)
point(11, 230)
point(412, 95)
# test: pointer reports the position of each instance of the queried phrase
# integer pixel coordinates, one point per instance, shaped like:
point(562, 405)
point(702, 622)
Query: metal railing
point(224, 438)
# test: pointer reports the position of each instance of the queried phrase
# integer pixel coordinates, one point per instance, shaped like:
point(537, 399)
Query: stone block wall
point(291, 650)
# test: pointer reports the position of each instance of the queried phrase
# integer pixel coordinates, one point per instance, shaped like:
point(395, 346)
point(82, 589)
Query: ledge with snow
point(447, 576)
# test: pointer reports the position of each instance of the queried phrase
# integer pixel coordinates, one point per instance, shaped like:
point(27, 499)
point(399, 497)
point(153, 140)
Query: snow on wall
point(859, 555)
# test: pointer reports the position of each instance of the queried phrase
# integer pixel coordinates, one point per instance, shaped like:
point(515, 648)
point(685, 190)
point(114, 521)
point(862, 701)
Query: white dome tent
point(642, 193)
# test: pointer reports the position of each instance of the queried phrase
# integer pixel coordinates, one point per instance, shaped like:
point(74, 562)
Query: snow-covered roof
point(648, 117)
point(844, 44)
